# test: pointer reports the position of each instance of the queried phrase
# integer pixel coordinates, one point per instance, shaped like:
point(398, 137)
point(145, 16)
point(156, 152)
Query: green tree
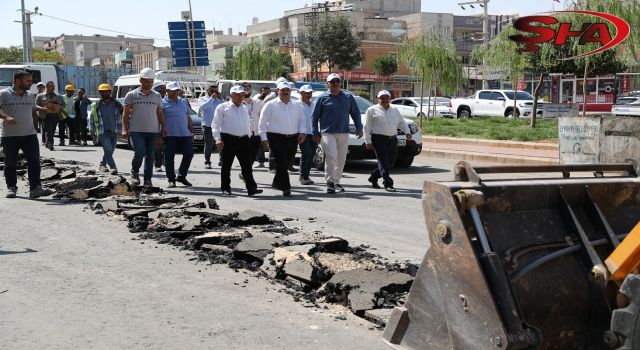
point(14, 54)
point(433, 58)
point(254, 61)
point(385, 65)
point(331, 40)
point(504, 54)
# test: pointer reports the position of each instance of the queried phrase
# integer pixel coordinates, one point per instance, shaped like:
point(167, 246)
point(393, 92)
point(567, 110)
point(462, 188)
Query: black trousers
point(77, 129)
point(282, 148)
point(29, 146)
point(50, 123)
point(237, 147)
point(62, 129)
point(386, 149)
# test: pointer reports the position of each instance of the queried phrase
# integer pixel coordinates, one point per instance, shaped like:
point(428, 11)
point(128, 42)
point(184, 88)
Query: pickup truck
point(628, 106)
point(494, 103)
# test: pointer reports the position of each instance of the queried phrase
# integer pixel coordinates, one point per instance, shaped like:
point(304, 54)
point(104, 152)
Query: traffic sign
point(186, 62)
point(186, 34)
point(185, 44)
point(188, 41)
point(182, 25)
point(186, 53)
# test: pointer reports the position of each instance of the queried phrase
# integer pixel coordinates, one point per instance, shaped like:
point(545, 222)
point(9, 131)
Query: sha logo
point(589, 33)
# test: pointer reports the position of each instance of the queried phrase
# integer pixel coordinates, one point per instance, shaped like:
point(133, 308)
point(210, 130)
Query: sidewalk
point(493, 151)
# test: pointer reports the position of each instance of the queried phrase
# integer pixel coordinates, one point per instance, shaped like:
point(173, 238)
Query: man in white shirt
point(253, 107)
point(282, 127)
point(231, 128)
point(380, 130)
point(308, 147)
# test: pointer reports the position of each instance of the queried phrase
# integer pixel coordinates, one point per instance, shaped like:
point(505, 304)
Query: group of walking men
point(67, 112)
point(242, 128)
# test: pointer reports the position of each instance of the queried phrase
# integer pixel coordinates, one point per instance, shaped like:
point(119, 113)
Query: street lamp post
point(485, 28)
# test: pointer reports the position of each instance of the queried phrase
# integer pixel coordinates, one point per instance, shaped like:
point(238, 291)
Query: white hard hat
point(237, 89)
point(384, 93)
point(147, 73)
point(306, 88)
point(333, 76)
point(284, 85)
point(173, 85)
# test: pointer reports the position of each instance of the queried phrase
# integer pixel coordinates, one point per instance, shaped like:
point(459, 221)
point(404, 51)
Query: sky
point(148, 18)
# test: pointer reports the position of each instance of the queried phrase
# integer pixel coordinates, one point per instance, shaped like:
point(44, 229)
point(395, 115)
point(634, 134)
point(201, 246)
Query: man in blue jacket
point(331, 129)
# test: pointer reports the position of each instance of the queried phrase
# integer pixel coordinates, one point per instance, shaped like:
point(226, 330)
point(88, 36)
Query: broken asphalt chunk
point(255, 249)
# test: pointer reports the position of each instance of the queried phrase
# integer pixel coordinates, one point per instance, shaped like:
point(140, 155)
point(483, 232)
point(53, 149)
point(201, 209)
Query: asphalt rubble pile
point(312, 267)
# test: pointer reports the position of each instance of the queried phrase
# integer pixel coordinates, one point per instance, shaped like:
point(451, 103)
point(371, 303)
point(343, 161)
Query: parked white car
point(497, 103)
point(407, 149)
point(627, 106)
point(410, 107)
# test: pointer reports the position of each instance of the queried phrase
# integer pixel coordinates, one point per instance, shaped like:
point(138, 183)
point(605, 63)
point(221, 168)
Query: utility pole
point(27, 46)
point(193, 39)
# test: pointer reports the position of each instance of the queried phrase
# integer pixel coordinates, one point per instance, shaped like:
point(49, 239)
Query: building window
point(303, 63)
point(394, 55)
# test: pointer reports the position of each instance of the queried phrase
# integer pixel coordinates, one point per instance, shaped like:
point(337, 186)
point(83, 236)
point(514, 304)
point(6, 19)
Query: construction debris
point(313, 267)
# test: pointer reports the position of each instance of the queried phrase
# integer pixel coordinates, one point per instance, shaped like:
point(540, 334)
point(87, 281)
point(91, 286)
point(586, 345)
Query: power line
point(103, 29)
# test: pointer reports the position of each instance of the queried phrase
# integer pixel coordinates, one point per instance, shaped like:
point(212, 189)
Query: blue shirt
point(208, 108)
point(176, 114)
point(332, 113)
point(109, 116)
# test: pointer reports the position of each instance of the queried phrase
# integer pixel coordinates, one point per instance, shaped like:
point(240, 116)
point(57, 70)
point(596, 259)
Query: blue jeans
point(183, 145)
point(29, 145)
point(108, 141)
point(144, 146)
point(308, 149)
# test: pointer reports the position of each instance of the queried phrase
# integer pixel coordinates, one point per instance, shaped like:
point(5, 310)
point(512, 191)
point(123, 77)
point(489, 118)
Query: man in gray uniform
point(17, 107)
point(143, 120)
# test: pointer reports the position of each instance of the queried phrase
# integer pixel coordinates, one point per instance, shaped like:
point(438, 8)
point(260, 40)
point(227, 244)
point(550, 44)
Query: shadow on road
point(9, 252)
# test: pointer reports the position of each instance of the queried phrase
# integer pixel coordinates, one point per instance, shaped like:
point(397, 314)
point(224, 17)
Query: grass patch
point(492, 128)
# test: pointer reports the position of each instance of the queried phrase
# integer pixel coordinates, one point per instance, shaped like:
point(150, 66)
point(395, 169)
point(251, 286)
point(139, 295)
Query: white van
point(39, 72)
point(224, 86)
point(126, 83)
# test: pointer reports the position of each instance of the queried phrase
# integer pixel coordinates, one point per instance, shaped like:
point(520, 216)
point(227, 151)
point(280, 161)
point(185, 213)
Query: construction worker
point(231, 129)
point(282, 127)
point(54, 104)
point(17, 105)
point(67, 113)
point(331, 128)
point(105, 126)
point(380, 129)
point(144, 121)
point(177, 114)
point(78, 125)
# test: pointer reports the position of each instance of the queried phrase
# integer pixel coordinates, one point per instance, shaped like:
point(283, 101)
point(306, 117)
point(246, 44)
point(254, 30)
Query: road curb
point(486, 157)
point(490, 143)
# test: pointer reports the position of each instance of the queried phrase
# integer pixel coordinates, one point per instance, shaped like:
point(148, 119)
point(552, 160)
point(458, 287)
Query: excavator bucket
point(518, 263)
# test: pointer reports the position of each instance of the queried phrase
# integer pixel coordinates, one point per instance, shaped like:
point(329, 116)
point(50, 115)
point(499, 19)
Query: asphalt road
point(73, 279)
point(391, 223)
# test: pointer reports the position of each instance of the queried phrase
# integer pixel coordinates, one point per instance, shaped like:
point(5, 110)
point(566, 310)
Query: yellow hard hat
point(69, 88)
point(104, 87)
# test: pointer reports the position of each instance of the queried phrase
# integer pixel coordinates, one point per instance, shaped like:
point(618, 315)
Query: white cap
point(333, 76)
point(173, 85)
point(306, 88)
point(280, 80)
point(40, 84)
point(284, 85)
point(237, 89)
point(147, 73)
point(384, 93)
